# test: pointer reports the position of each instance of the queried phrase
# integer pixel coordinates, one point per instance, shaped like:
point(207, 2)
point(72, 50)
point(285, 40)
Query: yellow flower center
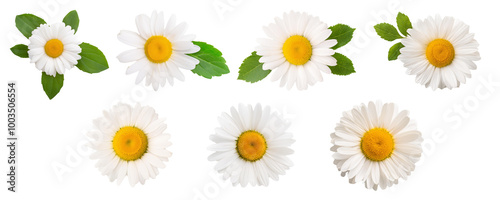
point(377, 144)
point(130, 143)
point(54, 48)
point(251, 146)
point(297, 50)
point(440, 52)
point(158, 49)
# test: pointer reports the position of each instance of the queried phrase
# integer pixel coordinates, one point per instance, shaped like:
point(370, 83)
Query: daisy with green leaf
point(55, 49)
point(439, 51)
point(299, 48)
point(161, 51)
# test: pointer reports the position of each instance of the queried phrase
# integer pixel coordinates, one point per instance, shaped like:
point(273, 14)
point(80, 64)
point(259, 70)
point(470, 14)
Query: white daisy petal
point(280, 71)
point(325, 60)
point(159, 24)
point(143, 170)
point(59, 65)
point(143, 23)
point(320, 36)
point(313, 27)
point(301, 78)
point(313, 71)
point(131, 38)
point(174, 71)
point(37, 39)
point(36, 53)
point(321, 67)
point(121, 171)
point(72, 47)
point(375, 173)
point(272, 64)
point(292, 76)
point(49, 67)
point(131, 55)
point(153, 160)
point(178, 31)
point(132, 173)
point(185, 61)
point(70, 57)
point(323, 52)
point(327, 44)
point(138, 66)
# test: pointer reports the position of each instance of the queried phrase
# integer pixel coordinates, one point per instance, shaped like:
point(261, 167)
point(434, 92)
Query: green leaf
point(211, 61)
point(20, 50)
point(387, 32)
point(342, 33)
point(251, 69)
point(71, 19)
point(93, 60)
point(344, 65)
point(394, 51)
point(404, 23)
point(52, 85)
point(26, 23)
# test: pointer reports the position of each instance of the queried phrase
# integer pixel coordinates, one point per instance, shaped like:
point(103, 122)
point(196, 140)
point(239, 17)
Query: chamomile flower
point(297, 50)
point(251, 146)
point(440, 52)
point(54, 48)
point(159, 51)
point(376, 144)
point(130, 142)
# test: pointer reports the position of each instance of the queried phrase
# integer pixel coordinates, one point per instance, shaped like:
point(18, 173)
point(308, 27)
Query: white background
point(461, 150)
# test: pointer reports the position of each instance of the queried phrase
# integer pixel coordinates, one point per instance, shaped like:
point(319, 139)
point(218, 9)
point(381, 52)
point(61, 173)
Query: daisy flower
point(54, 48)
point(159, 51)
point(440, 52)
point(251, 146)
point(297, 50)
point(131, 143)
point(376, 144)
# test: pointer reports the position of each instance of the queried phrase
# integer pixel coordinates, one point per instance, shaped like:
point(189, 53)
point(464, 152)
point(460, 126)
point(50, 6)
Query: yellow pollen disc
point(158, 49)
point(440, 52)
point(377, 144)
point(54, 48)
point(251, 146)
point(297, 50)
point(130, 143)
